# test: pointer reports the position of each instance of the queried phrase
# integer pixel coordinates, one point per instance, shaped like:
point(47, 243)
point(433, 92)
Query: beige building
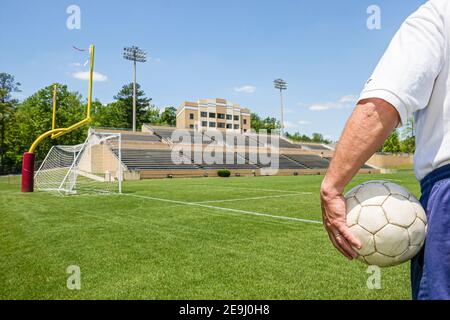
point(213, 114)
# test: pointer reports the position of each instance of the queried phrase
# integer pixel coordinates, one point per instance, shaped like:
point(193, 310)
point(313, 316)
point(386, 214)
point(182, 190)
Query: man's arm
point(370, 124)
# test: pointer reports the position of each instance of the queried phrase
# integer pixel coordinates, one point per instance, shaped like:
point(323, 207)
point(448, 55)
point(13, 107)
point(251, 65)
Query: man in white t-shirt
point(412, 78)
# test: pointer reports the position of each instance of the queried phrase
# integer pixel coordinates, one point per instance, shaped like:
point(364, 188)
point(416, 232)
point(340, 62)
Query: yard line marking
point(253, 189)
point(226, 209)
point(244, 199)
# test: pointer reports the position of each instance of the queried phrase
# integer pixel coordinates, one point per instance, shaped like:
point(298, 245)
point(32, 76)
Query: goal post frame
point(73, 163)
point(94, 166)
point(29, 157)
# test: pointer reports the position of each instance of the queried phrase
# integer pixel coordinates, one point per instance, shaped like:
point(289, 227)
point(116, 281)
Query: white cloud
point(75, 64)
point(245, 89)
point(349, 99)
point(303, 122)
point(344, 102)
point(322, 107)
point(84, 75)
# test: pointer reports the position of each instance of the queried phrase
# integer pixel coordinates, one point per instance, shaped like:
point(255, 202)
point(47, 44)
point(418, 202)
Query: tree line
point(315, 138)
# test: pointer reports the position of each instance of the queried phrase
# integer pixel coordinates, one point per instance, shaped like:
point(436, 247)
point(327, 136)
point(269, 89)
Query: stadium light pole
point(136, 55)
point(281, 85)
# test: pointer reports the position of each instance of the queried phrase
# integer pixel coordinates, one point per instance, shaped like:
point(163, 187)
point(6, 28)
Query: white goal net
point(92, 167)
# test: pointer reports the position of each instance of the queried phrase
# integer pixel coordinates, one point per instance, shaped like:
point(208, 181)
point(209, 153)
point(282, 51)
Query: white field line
point(253, 189)
point(225, 209)
point(245, 199)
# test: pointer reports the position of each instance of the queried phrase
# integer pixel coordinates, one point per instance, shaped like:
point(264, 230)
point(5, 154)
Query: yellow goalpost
point(54, 133)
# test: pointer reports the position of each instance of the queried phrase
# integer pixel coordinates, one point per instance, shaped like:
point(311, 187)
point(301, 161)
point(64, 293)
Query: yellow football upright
point(29, 157)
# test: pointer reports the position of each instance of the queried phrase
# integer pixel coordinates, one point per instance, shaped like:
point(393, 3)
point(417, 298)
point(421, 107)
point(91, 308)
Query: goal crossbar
point(94, 166)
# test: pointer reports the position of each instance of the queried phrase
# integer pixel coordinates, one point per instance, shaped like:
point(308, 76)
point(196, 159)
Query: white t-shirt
point(414, 76)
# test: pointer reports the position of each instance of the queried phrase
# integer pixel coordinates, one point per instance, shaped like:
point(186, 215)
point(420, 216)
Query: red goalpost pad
point(28, 172)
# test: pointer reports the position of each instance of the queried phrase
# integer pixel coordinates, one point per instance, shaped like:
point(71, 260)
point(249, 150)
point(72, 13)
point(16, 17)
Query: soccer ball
point(388, 220)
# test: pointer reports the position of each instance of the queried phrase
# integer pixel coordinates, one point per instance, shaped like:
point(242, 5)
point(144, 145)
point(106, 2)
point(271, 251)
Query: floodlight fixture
point(134, 54)
point(281, 85)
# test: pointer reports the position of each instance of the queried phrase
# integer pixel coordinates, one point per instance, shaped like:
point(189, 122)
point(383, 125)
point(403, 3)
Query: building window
point(221, 125)
point(191, 116)
point(204, 114)
point(245, 121)
point(229, 117)
point(229, 126)
point(245, 130)
point(236, 126)
point(212, 115)
point(236, 118)
point(220, 116)
point(191, 126)
point(212, 124)
point(204, 123)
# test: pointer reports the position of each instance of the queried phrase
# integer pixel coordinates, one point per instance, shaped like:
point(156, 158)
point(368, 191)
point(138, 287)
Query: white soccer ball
point(388, 220)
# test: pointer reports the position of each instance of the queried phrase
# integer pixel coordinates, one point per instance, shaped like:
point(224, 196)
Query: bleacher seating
point(162, 159)
point(164, 133)
point(284, 163)
point(315, 147)
point(310, 161)
point(240, 140)
point(167, 135)
point(253, 140)
point(239, 162)
point(153, 160)
point(282, 143)
point(157, 155)
point(145, 138)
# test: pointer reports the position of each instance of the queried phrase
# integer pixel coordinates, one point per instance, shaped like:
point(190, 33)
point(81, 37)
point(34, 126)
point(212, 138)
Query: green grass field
point(183, 239)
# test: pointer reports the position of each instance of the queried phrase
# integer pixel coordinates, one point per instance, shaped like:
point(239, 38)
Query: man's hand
point(334, 215)
point(370, 124)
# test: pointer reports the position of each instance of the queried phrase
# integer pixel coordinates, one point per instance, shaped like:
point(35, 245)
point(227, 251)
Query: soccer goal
point(92, 167)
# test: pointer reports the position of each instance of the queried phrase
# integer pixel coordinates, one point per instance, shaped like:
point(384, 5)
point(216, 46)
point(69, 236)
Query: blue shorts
point(430, 270)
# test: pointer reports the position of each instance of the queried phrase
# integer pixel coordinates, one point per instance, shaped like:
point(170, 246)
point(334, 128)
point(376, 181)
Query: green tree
point(112, 115)
point(33, 117)
point(169, 116)
point(317, 137)
point(408, 145)
point(305, 138)
point(270, 124)
point(256, 123)
point(392, 143)
point(298, 137)
point(8, 85)
point(145, 111)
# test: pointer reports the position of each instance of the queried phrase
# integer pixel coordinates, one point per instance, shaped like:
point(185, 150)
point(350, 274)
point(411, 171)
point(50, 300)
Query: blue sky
point(231, 49)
